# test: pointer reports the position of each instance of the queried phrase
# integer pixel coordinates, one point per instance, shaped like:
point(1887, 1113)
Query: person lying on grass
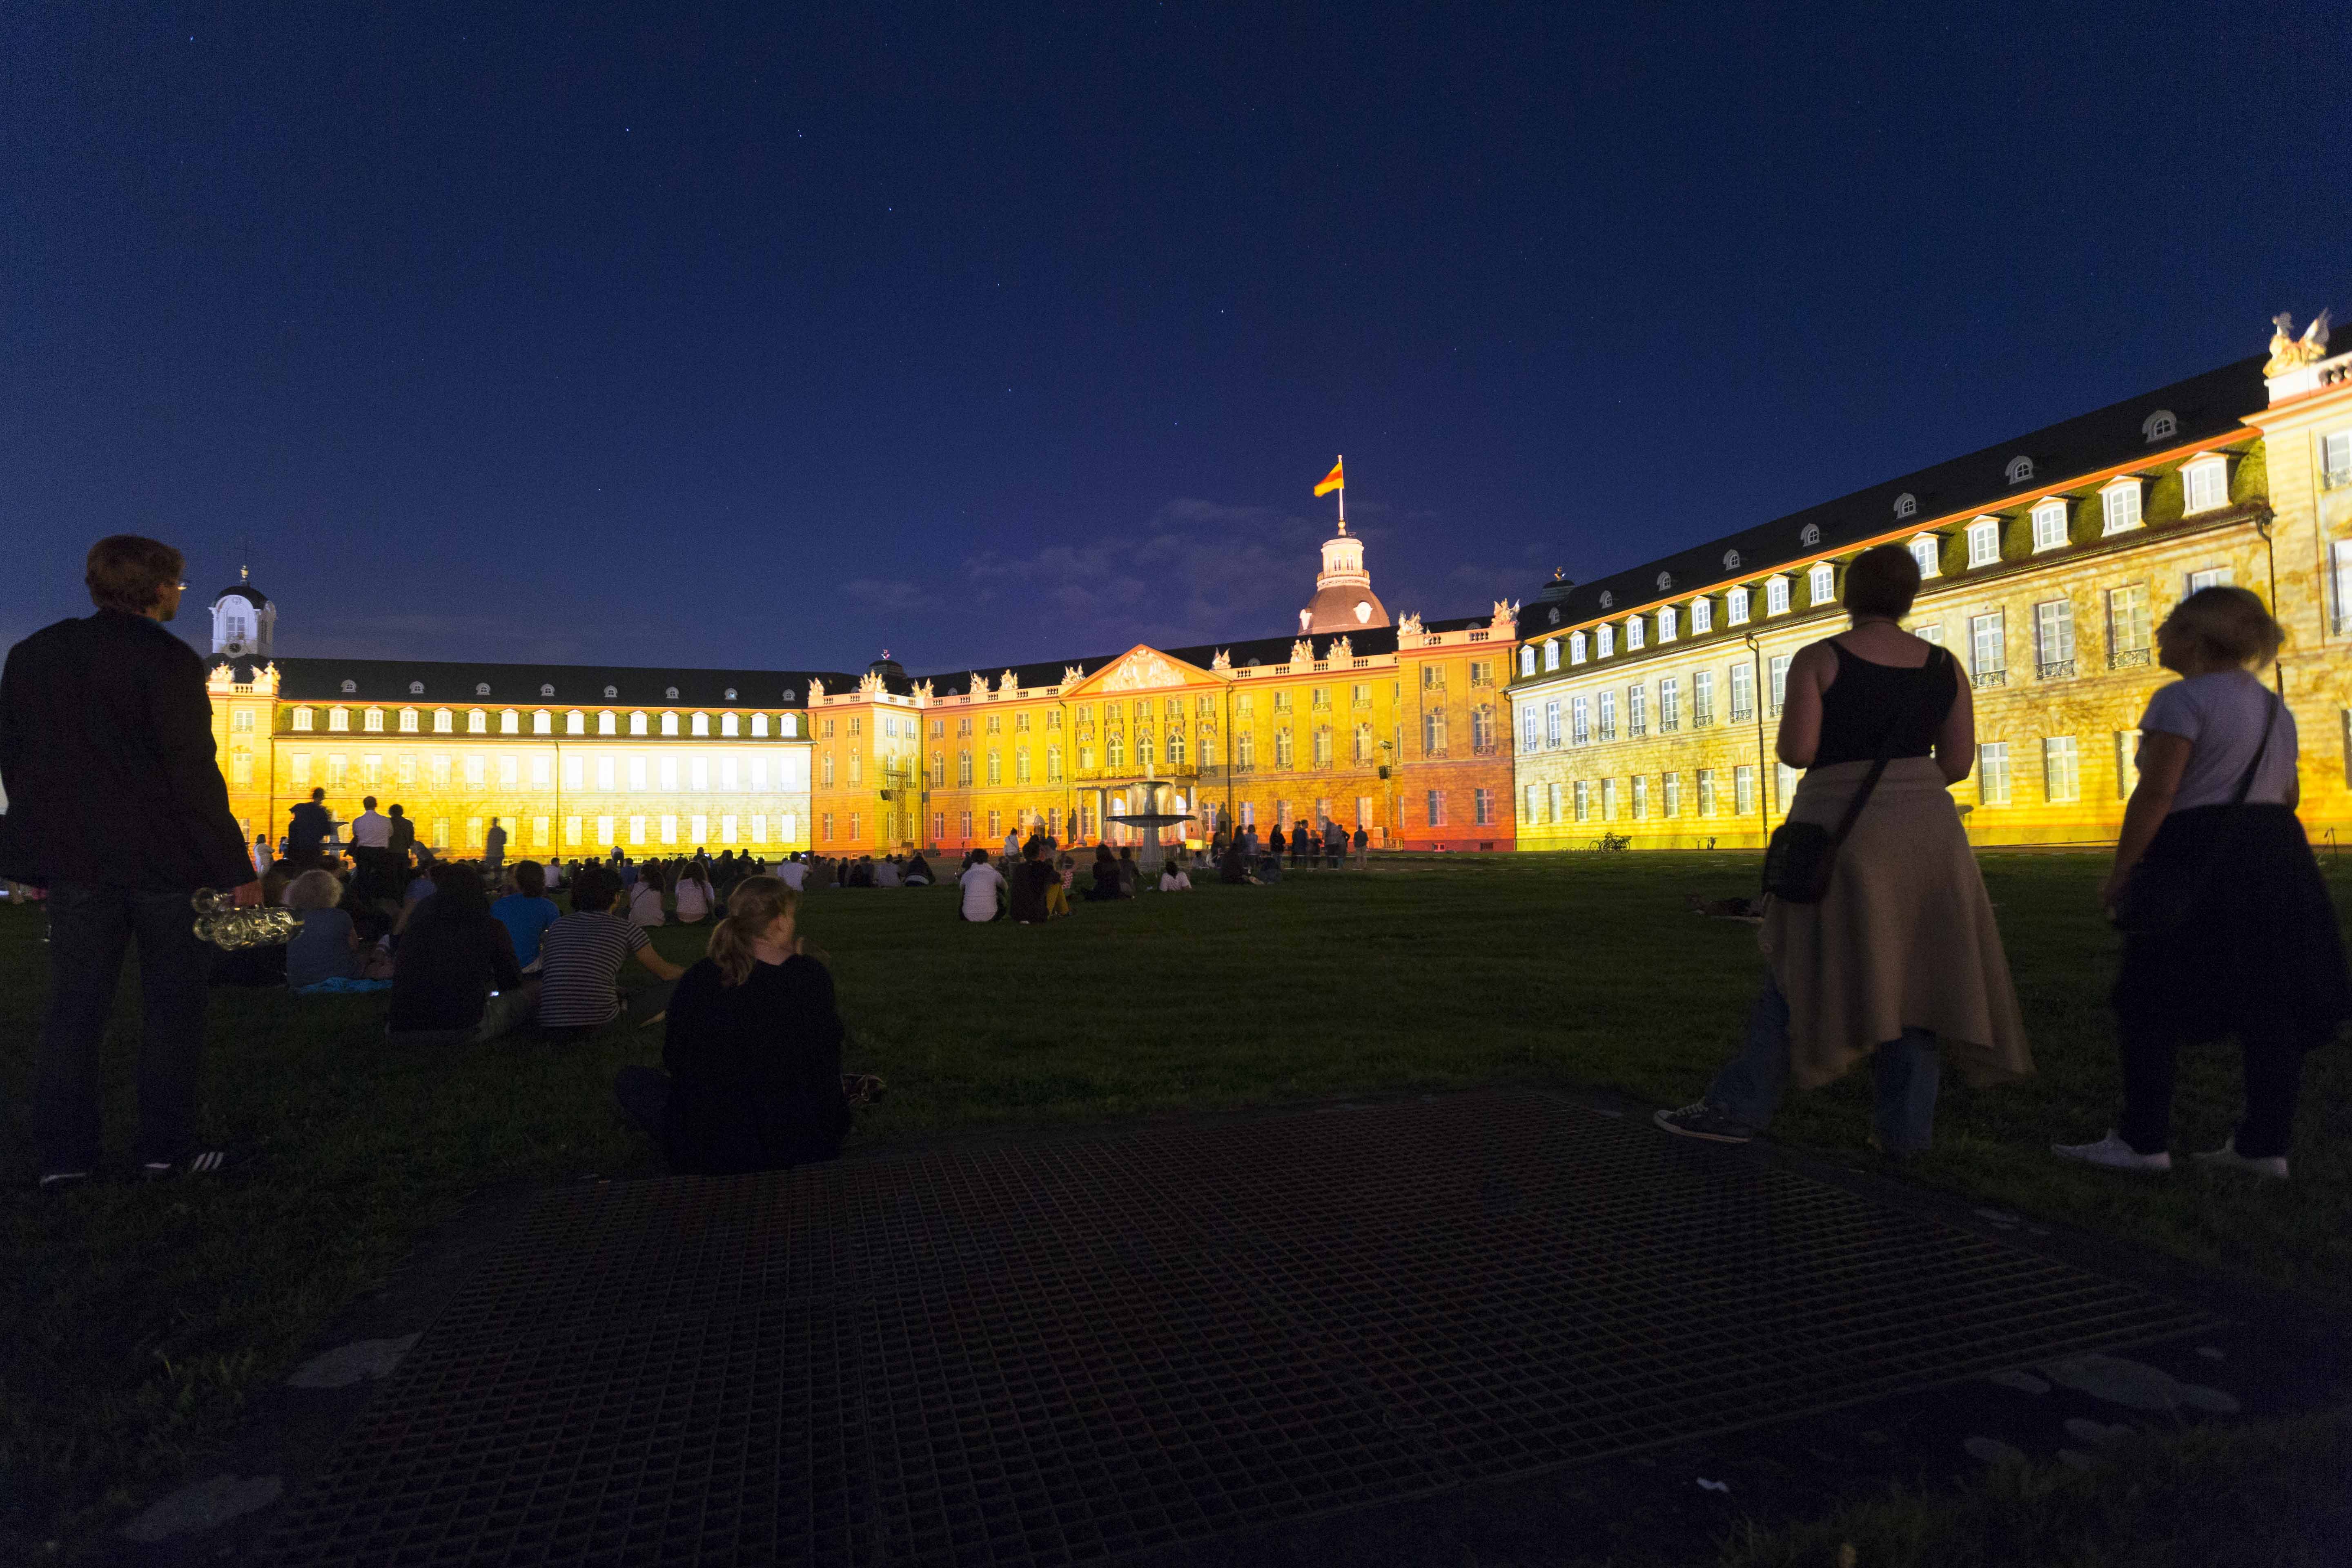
point(753, 1052)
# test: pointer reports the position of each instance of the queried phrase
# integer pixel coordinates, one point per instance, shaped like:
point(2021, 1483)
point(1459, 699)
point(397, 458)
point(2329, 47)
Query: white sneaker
point(2113, 1153)
point(2227, 1155)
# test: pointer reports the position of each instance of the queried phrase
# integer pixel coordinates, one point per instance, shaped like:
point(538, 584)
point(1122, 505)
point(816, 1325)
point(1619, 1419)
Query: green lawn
point(142, 1316)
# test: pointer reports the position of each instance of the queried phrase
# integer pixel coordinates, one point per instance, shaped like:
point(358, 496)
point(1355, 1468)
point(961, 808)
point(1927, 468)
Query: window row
point(788, 774)
point(510, 721)
point(1554, 803)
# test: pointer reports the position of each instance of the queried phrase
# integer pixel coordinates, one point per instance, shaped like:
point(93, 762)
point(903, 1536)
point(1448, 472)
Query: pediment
point(1142, 668)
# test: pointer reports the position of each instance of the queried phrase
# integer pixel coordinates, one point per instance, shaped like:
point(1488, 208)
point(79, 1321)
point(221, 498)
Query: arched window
point(1604, 641)
point(1822, 583)
point(1551, 650)
point(2160, 425)
point(1776, 596)
point(1633, 631)
point(1528, 660)
point(1702, 616)
point(1666, 618)
point(2020, 469)
point(1175, 748)
point(1143, 749)
point(1925, 549)
point(1576, 647)
point(1114, 751)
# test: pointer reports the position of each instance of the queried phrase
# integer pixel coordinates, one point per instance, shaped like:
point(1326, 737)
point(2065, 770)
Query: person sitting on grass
point(326, 949)
point(1128, 871)
point(753, 1051)
point(696, 897)
point(1233, 867)
point(983, 888)
point(455, 981)
point(527, 912)
point(1106, 884)
point(646, 898)
point(919, 871)
point(1057, 896)
point(581, 958)
point(1173, 879)
point(1031, 899)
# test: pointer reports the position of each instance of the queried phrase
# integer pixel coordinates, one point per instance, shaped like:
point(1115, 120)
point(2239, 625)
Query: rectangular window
point(299, 765)
point(571, 825)
point(1579, 721)
point(337, 766)
point(473, 831)
point(1670, 711)
point(1640, 796)
point(1529, 733)
point(1924, 551)
point(963, 823)
point(1583, 801)
point(853, 827)
point(1551, 800)
point(1609, 800)
point(2122, 506)
point(372, 721)
point(605, 832)
point(1609, 715)
point(1989, 647)
point(2205, 486)
point(825, 828)
point(637, 830)
point(1529, 811)
point(2049, 525)
point(1667, 619)
point(1743, 693)
point(2211, 577)
point(1482, 807)
point(1436, 806)
point(1702, 699)
point(1604, 641)
point(1992, 773)
point(2335, 459)
point(1821, 584)
point(440, 833)
point(1784, 783)
point(1984, 542)
point(1707, 791)
point(1633, 633)
point(1778, 669)
point(2061, 778)
point(2053, 638)
point(1637, 711)
point(995, 824)
point(1776, 596)
point(1552, 723)
point(338, 720)
point(1743, 789)
point(2127, 763)
point(1673, 795)
point(670, 829)
point(302, 720)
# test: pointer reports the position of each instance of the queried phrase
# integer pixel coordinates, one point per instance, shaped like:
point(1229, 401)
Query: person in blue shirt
point(527, 912)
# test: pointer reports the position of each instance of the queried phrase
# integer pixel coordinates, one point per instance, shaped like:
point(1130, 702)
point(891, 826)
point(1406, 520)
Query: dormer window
point(1604, 641)
point(1528, 658)
point(443, 721)
point(670, 724)
point(477, 723)
point(575, 722)
point(482, 689)
point(2205, 484)
point(542, 723)
point(637, 724)
point(339, 719)
point(2121, 502)
point(1552, 652)
point(1984, 542)
point(510, 723)
point(372, 721)
point(1702, 616)
point(2019, 470)
point(1925, 549)
point(1907, 505)
point(408, 717)
point(1820, 583)
point(547, 689)
point(1576, 647)
point(759, 726)
point(2049, 525)
point(1735, 607)
point(1633, 633)
point(1667, 617)
point(2160, 425)
point(302, 717)
point(607, 723)
point(1775, 595)
point(416, 689)
point(727, 724)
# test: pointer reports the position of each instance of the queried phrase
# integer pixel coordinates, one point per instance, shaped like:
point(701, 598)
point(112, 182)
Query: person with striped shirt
point(581, 958)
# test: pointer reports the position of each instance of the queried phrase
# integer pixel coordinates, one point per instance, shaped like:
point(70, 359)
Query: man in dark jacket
point(116, 804)
point(311, 827)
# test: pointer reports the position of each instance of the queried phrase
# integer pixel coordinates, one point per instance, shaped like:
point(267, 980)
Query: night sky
point(998, 333)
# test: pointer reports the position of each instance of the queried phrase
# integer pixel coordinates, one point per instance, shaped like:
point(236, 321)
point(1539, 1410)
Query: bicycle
point(1608, 841)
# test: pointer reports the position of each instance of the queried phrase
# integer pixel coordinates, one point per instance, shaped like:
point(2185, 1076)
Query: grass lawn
point(140, 1317)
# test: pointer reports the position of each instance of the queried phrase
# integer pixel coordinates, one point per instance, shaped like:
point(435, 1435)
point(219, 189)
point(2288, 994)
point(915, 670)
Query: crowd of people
point(1878, 941)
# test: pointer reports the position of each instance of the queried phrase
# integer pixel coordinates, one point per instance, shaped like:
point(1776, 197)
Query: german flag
point(1333, 481)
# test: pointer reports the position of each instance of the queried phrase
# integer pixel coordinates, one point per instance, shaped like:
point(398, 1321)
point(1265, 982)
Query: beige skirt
point(1903, 939)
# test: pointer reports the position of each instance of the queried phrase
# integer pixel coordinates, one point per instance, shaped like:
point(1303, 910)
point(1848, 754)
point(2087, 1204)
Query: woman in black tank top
point(1899, 963)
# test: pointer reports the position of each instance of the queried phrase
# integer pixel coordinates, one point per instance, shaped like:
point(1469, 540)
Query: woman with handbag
point(2228, 928)
point(1878, 940)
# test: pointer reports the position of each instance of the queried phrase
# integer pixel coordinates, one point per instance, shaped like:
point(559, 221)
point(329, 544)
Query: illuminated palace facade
point(1642, 703)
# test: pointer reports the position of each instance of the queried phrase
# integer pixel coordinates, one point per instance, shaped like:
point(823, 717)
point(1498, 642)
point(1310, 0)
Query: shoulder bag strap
point(1885, 755)
point(2270, 722)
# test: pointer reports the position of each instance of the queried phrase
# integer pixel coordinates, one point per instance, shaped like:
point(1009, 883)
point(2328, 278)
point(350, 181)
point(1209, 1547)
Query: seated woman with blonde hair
point(754, 1051)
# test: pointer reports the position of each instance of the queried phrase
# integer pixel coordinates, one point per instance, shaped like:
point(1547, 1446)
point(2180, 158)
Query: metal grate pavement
point(1061, 1353)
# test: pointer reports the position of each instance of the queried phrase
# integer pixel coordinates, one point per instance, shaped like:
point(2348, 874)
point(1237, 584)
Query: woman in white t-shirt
point(1174, 881)
point(2227, 927)
point(695, 897)
point(646, 898)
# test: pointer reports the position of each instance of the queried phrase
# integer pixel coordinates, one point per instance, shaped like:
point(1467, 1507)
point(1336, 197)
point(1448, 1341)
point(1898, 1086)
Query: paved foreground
point(1064, 1352)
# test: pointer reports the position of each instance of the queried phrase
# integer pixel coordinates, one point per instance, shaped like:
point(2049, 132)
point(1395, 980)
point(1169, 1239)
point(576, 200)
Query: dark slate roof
point(246, 590)
point(2213, 403)
point(1262, 651)
point(388, 680)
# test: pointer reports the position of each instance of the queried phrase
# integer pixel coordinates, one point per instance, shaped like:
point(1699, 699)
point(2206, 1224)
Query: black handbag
point(1800, 857)
point(2159, 896)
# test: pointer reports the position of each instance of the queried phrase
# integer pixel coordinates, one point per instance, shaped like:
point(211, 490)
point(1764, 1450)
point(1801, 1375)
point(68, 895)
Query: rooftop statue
point(1411, 626)
point(2288, 353)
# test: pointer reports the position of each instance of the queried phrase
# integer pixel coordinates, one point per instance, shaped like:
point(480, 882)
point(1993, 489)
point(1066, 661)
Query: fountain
point(1150, 854)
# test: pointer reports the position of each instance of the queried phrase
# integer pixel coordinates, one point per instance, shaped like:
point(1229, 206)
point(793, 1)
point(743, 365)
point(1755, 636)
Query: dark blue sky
point(599, 334)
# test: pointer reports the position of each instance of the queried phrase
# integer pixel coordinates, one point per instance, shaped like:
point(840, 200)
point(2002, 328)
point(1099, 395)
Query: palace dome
point(1343, 607)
